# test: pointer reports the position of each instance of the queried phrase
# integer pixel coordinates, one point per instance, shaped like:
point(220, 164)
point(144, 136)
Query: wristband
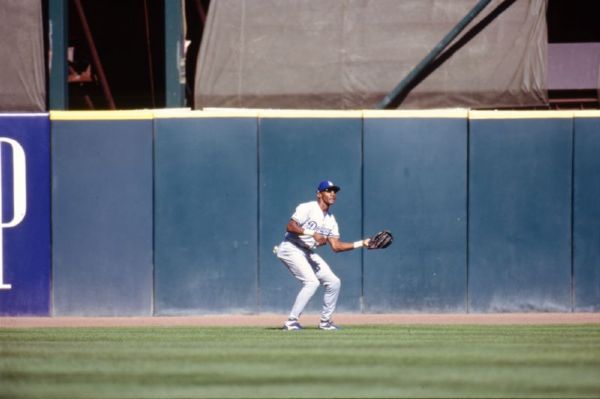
point(358, 244)
point(308, 232)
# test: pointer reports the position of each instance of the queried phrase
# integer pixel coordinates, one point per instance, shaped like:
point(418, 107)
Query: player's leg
point(332, 285)
point(297, 263)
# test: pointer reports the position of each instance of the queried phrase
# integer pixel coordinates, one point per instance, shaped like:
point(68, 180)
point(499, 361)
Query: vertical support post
point(174, 70)
point(59, 32)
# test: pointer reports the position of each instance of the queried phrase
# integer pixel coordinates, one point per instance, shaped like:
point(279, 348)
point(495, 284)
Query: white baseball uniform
point(296, 253)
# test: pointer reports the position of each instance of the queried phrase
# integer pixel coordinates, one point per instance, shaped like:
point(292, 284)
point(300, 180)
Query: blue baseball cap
point(327, 185)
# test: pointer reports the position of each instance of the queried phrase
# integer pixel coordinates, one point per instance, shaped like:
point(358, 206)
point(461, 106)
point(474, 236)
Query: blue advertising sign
point(25, 246)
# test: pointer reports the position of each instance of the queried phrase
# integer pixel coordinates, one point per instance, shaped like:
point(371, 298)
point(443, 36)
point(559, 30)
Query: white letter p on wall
point(19, 190)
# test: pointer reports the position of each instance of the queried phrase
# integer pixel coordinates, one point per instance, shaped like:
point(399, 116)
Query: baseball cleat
point(327, 325)
point(292, 325)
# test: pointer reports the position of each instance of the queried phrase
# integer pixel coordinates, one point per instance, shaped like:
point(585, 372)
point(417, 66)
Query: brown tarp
point(348, 54)
point(22, 70)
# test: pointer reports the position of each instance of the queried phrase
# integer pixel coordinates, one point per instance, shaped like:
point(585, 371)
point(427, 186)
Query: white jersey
point(309, 215)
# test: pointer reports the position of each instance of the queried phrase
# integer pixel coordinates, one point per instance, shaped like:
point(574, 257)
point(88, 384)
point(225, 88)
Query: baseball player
point(311, 226)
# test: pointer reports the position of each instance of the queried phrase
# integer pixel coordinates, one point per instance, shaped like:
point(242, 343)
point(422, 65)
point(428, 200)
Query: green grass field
point(358, 361)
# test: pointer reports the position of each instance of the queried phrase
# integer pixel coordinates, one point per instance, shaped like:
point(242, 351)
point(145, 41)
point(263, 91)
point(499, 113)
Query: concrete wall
point(102, 214)
point(177, 212)
point(520, 191)
point(296, 152)
point(415, 184)
point(206, 215)
point(585, 283)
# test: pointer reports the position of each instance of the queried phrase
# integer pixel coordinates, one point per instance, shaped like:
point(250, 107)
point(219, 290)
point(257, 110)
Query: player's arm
point(294, 227)
point(340, 246)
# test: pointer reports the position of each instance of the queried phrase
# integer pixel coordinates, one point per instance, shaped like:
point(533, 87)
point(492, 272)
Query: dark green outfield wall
point(295, 154)
point(178, 212)
point(586, 214)
point(205, 215)
point(520, 181)
point(102, 216)
point(415, 183)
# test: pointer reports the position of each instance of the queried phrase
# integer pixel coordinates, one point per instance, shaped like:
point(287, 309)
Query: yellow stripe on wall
point(207, 113)
point(417, 113)
point(305, 113)
point(587, 114)
point(519, 114)
point(291, 113)
point(100, 115)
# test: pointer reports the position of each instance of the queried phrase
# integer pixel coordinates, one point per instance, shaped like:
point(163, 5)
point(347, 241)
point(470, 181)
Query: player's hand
point(320, 239)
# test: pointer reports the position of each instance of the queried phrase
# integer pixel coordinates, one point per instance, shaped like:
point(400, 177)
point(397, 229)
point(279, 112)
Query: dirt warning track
point(275, 320)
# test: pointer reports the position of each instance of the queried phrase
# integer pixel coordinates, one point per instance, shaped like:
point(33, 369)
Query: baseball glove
point(381, 240)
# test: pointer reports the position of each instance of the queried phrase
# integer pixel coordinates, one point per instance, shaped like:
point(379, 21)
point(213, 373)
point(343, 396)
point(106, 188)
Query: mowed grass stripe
point(358, 361)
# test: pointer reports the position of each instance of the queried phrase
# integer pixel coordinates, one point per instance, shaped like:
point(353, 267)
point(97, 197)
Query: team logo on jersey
point(311, 224)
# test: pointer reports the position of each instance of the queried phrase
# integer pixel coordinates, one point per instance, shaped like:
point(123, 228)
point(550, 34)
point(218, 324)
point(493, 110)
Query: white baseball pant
point(311, 270)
